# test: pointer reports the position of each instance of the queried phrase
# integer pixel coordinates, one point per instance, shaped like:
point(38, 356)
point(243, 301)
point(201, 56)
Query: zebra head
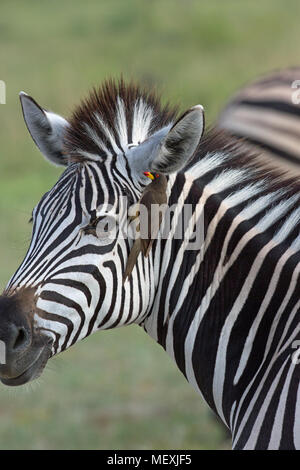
point(70, 283)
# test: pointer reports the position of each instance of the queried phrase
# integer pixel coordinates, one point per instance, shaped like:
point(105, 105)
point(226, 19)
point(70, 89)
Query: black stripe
point(275, 150)
point(274, 105)
point(76, 285)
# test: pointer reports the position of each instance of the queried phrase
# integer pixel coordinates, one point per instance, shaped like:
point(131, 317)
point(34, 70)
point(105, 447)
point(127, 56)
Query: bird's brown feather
point(153, 194)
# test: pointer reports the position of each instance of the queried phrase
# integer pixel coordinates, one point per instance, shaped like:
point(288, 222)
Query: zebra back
point(266, 114)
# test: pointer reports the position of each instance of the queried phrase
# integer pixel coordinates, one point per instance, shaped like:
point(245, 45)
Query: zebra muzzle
point(23, 352)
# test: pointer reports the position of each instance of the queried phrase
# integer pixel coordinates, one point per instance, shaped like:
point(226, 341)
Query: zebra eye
point(100, 227)
point(90, 229)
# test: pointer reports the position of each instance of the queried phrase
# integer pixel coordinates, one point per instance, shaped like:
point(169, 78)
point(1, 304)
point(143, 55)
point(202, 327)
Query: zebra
point(266, 114)
point(227, 312)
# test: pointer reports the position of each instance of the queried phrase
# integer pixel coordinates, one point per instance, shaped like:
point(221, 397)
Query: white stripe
point(108, 133)
point(296, 431)
point(279, 416)
point(244, 397)
point(121, 124)
point(256, 428)
point(141, 121)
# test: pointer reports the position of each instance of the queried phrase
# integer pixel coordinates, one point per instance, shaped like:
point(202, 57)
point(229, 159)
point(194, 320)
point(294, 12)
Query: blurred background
point(117, 389)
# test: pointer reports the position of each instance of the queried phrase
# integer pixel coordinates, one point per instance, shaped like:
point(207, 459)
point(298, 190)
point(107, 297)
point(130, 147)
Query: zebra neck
point(215, 312)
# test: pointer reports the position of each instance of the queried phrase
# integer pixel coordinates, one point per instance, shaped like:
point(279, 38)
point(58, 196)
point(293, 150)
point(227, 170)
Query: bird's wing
point(135, 251)
point(152, 201)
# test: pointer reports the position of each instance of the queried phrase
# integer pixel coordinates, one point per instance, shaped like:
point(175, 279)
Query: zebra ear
point(46, 129)
point(178, 146)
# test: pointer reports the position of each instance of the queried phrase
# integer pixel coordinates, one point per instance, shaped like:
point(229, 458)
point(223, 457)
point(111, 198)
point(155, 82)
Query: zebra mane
point(114, 117)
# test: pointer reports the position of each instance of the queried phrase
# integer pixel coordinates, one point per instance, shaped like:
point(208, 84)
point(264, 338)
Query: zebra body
point(266, 113)
point(226, 312)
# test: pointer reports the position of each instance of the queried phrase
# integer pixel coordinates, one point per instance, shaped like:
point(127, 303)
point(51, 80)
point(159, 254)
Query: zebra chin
point(24, 352)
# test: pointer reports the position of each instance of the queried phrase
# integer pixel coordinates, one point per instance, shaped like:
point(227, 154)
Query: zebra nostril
point(20, 339)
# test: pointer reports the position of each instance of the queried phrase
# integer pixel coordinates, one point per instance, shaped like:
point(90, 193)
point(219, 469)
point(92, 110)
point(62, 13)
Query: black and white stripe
point(228, 312)
point(266, 114)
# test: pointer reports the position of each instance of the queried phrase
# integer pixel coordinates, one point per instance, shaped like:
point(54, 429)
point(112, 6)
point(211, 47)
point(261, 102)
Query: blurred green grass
point(117, 389)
